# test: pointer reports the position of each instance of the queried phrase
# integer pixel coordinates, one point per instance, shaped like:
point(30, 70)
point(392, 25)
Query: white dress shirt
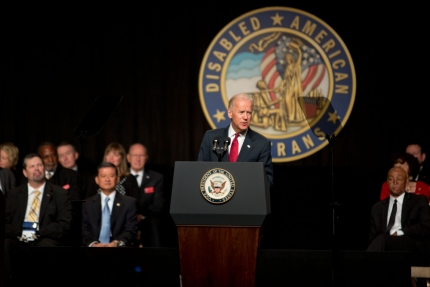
point(240, 138)
point(139, 176)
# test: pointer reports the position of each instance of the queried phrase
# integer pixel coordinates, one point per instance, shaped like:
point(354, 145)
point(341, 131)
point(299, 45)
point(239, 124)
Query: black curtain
point(55, 65)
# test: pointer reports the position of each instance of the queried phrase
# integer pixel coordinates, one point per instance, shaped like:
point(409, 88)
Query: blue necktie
point(105, 230)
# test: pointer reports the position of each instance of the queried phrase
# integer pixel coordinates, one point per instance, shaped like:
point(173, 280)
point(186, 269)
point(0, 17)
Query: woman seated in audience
point(115, 154)
point(9, 154)
point(410, 164)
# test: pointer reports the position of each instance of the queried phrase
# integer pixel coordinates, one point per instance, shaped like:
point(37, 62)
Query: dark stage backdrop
point(53, 67)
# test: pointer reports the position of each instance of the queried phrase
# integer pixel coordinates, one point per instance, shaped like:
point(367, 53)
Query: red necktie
point(234, 149)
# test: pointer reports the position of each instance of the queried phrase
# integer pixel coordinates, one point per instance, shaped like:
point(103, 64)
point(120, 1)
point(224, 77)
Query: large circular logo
point(297, 69)
point(217, 186)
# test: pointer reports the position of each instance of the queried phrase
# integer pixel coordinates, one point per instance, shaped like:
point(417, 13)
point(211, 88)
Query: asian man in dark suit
point(401, 222)
point(150, 199)
point(55, 173)
point(53, 214)
point(122, 213)
point(251, 146)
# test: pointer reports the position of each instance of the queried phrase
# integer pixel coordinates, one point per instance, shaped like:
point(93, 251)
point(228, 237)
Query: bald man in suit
point(410, 231)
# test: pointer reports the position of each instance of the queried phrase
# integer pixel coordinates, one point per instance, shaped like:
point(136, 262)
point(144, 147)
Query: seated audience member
point(43, 208)
point(68, 157)
point(127, 184)
point(411, 166)
point(150, 199)
point(417, 151)
point(109, 219)
point(7, 180)
point(401, 222)
point(9, 155)
point(55, 173)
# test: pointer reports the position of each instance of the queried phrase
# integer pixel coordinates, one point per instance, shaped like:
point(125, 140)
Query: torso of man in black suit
point(55, 212)
point(255, 148)
point(123, 219)
point(412, 234)
point(67, 179)
point(150, 199)
point(424, 174)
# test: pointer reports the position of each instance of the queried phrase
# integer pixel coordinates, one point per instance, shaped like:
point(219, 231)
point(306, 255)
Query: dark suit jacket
point(255, 148)
point(55, 212)
point(7, 180)
point(123, 219)
point(68, 179)
point(415, 219)
point(150, 199)
point(87, 183)
point(424, 174)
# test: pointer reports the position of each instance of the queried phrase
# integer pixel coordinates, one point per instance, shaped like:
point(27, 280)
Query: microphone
point(216, 142)
point(226, 143)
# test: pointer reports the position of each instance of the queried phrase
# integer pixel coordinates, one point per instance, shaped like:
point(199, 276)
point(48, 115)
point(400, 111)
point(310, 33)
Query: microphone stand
point(220, 151)
point(309, 106)
point(335, 248)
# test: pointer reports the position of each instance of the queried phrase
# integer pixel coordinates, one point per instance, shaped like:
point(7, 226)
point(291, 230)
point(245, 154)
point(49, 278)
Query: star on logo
point(332, 117)
point(277, 20)
point(219, 116)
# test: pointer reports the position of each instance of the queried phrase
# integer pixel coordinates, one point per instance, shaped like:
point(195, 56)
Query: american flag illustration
point(273, 65)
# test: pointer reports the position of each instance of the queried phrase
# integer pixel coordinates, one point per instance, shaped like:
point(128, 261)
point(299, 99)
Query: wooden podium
point(218, 242)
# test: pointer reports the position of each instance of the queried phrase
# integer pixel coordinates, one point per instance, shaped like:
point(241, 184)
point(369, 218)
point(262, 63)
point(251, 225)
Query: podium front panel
point(248, 206)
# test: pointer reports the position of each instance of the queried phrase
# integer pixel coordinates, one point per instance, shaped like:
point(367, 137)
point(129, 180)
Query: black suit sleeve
point(205, 151)
point(129, 225)
point(88, 235)
point(11, 212)
point(151, 195)
point(418, 221)
point(156, 207)
point(266, 158)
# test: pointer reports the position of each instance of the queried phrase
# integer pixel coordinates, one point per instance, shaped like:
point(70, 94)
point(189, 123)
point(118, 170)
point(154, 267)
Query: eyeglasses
point(137, 155)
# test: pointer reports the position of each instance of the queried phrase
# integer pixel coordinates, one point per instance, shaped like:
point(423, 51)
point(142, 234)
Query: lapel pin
point(118, 204)
point(248, 146)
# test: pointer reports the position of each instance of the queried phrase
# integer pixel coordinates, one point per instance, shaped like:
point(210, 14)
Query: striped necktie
point(33, 215)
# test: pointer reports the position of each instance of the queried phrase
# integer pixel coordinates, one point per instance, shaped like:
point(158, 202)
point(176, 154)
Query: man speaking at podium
point(246, 144)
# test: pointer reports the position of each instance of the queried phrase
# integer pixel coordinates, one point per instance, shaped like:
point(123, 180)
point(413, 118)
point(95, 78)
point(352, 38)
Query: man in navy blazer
point(123, 219)
point(253, 147)
point(54, 216)
point(410, 231)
